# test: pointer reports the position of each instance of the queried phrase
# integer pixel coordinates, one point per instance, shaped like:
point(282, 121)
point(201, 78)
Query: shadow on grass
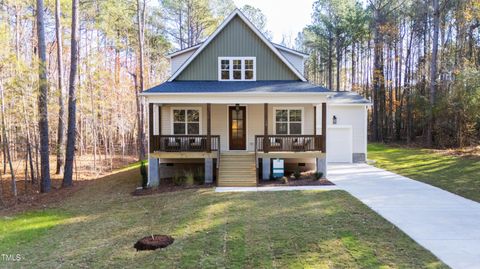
point(211, 230)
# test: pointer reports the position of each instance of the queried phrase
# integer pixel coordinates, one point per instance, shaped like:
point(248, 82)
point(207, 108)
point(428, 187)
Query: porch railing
point(185, 143)
point(295, 143)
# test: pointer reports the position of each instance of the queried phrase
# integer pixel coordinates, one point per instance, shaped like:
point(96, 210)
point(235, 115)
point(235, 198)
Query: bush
point(284, 180)
point(179, 180)
point(143, 172)
point(297, 174)
point(318, 175)
point(189, 178)
point(199, 176)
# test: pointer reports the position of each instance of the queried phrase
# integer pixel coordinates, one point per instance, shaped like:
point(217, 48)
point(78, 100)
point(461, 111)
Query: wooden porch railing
point(294, 143)
point(184, 143)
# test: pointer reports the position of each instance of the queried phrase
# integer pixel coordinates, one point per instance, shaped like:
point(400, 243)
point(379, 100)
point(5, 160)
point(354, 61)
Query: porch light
point(237, 107)
point(334, 119)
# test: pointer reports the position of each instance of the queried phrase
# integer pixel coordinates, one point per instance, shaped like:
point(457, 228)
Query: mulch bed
point(153, 242)
point(296, 182)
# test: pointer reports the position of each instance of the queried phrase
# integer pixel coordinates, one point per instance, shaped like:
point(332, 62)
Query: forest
point(71, 72)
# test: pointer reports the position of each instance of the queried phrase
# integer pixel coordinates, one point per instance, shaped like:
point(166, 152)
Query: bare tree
point(71, 129)
point(6, 146)
point(141, 35)
point(433, 71)
point(42, 101)
point(61, 110)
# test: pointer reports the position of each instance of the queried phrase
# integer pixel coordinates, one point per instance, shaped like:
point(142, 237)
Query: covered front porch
point(236, 141)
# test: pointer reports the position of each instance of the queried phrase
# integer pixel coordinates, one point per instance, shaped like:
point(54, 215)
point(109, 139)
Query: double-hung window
point(186, 121)
point(236, 68)
point(288, 121)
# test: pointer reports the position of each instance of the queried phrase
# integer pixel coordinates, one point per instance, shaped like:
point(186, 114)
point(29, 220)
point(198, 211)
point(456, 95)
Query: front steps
point(237, 169)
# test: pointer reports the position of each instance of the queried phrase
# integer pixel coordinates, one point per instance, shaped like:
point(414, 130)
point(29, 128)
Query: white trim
point(268, 94)
point(350, 104)
point(156, 130)
point(186, 108)
point(271, 98)
point(292, 51)
point(246, 128)
point(288, 115)
point(179, 52)
point(242, 70)
point(219, 29)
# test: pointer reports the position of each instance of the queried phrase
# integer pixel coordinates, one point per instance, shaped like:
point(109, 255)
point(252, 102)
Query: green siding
point(237, 39)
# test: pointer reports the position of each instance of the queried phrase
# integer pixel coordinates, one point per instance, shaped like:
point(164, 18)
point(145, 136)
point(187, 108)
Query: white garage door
point(339, 144)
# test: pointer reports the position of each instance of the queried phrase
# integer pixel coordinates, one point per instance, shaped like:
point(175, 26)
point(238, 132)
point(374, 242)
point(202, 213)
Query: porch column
point(153, 172)
point(265, 128)
point(324, 127)
point(322, 165)
point(322, 161)
point(315, 120)
point(209, 129)
point(150, 128)
point(208, 170)
point(265, 168)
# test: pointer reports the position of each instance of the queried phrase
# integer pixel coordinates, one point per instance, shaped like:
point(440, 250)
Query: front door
point(237, 122)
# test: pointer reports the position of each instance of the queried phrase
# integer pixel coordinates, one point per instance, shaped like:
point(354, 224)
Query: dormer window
point(236, 68)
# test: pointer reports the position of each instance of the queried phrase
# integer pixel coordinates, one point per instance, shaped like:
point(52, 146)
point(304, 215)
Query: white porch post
point(266, 168)
point(153, 163)
point(153, 172)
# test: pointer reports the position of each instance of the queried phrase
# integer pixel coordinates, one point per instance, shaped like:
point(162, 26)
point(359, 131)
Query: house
point(237, 101)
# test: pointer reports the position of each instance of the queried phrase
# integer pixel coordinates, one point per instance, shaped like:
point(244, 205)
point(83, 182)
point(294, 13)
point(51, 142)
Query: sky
point(283, 17)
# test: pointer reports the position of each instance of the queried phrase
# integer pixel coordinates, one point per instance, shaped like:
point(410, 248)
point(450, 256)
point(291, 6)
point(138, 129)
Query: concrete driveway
point(444, 223)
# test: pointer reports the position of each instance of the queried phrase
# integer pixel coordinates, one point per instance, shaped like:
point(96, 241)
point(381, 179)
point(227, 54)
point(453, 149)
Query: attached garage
point(347, 114)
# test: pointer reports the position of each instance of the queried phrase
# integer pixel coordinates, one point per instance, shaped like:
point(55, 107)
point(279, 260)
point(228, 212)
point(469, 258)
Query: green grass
point(452, 173)
point(26, 227)
point(307, 229)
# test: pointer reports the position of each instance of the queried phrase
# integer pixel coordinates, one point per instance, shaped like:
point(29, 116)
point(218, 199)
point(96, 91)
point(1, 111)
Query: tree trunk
point(330, 63)
point(42, 101)
point(140, 32)
point(378, 81)
point(61, 110)
point(70, 151)
point(6, 145)
point(433, 71)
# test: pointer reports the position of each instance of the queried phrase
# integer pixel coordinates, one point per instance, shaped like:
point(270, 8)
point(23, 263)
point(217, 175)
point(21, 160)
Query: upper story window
point(236, 68)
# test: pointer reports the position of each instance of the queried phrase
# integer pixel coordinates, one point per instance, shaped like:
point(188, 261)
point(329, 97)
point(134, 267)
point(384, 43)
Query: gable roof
point(235, 13)
point(261, 86)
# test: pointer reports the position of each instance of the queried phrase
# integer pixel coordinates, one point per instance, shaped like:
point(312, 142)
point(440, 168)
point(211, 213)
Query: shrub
point(199, 176)
point(318, 175)
point(143, 172)
point(189, 178)
point(179, 180)
point(297, 174)
point(284, 180)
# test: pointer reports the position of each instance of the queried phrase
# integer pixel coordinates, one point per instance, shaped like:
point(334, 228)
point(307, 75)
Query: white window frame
point(186, 121)
point(288, 120)
point(242, 59)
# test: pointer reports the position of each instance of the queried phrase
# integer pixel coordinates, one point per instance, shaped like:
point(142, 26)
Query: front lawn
point(452, 173)
point(308, 229)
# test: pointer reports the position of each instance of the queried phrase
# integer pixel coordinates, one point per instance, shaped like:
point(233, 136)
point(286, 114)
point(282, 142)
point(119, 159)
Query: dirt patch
point(29, 196)
point(299, 182)
point(153, 242)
